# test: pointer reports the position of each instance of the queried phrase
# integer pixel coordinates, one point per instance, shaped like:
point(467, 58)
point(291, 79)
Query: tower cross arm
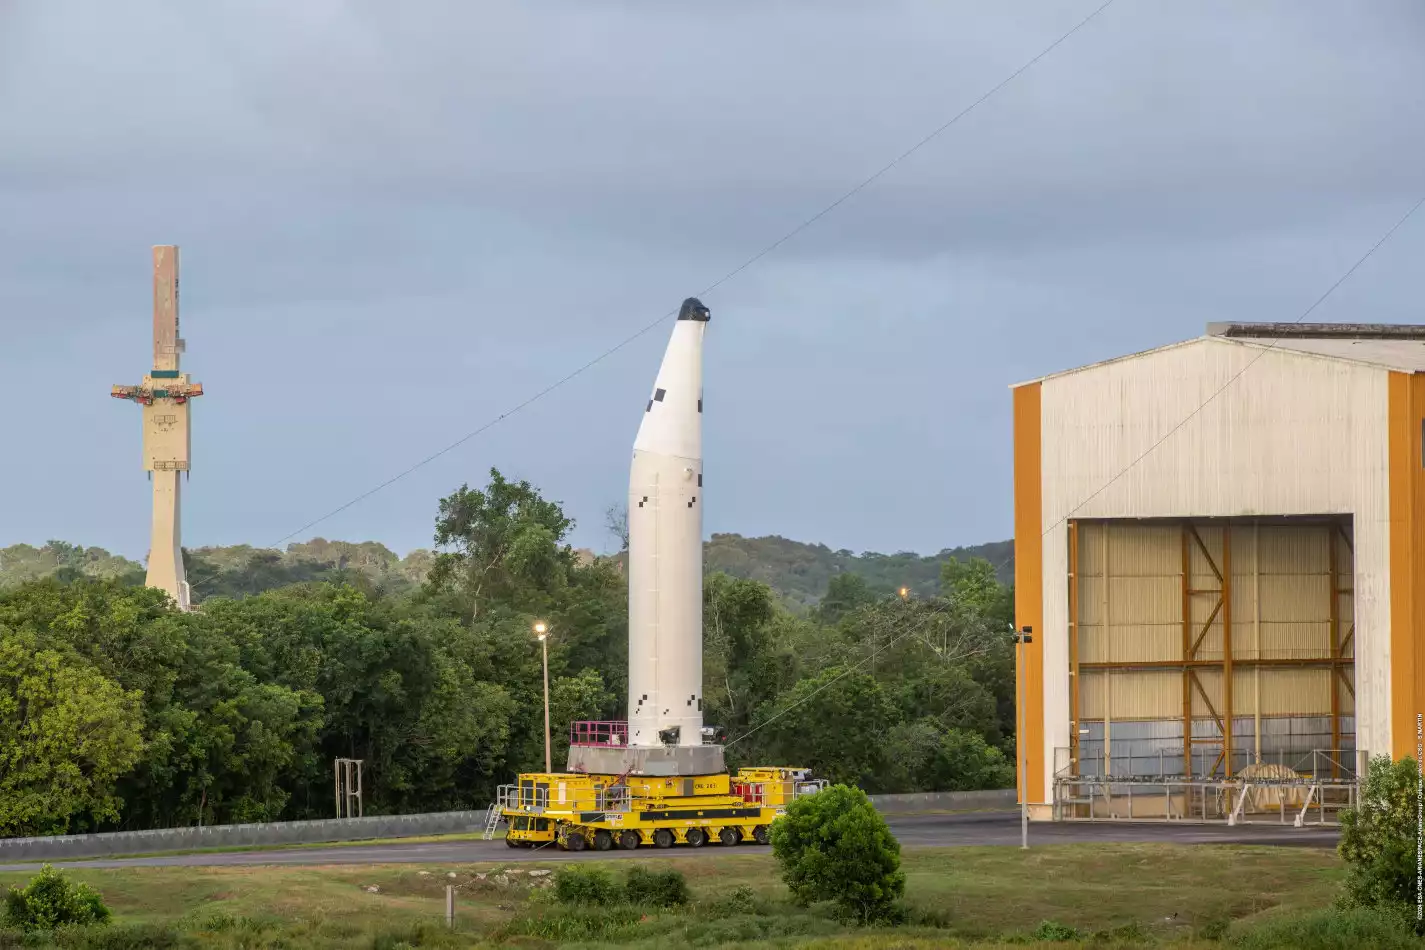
point(145, 394)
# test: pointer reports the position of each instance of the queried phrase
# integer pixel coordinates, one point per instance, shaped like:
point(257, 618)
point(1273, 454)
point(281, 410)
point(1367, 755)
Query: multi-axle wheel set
point(574, 838)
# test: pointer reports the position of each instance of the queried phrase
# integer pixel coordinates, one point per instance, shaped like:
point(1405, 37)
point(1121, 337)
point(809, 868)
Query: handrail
point(597, 732)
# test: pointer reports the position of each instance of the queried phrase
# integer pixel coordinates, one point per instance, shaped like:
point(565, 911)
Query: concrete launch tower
point(165, 395)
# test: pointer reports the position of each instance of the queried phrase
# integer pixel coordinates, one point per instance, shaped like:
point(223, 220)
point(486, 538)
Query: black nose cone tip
point(693, 309)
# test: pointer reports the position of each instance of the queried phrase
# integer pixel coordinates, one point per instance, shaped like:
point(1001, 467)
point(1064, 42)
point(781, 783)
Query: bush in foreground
point(52, 900)
point(656, 888)
point(595, 887)
point(1378, 837)
point(1350, 929)
point(835, 846)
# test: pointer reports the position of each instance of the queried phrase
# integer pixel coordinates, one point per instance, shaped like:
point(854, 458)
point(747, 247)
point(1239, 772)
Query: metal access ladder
point(493, 817)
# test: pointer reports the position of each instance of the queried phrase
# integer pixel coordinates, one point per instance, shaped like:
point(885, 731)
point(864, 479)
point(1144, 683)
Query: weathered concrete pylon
point(165, 396)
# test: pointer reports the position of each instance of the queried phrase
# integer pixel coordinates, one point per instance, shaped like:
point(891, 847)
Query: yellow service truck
point(578, 811)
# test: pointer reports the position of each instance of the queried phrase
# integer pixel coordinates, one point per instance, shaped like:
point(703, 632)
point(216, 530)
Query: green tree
point(406, 691)
point(65, 562)
point(745, 664)
point(66, 735)
point(985, 607)
point(835, 724)
point(50, 901)
point(1378, 837)
point(835, 846)
point(219, 742)
point(504, 539)
point(845, 593)
point(926, 756)
point(575, 699)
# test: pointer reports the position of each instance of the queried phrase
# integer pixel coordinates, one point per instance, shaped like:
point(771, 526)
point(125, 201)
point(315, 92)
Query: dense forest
point(118, 712)
point(799, 573)
point(802, 573)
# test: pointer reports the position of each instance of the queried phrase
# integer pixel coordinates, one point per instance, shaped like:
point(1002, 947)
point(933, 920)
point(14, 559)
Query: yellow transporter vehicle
point(601, 812)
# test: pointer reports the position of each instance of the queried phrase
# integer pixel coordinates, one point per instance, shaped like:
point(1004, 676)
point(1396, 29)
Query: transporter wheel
point(629, 840)
point(696, 837)
point(762, 834)
point(663, 838)
point(730, 836)
point(603, 841)
point(576, 841)
point(511, 843)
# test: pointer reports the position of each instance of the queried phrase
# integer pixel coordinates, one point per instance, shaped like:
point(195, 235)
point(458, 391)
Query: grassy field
point(1113, 894)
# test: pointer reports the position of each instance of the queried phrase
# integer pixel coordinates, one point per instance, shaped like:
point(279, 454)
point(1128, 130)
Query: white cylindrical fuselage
point(665, 548)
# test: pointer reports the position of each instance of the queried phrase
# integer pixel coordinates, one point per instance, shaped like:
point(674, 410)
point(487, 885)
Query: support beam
point(1213, 711)
point(1029, 588)
point(1227, 691)
point(1257, 641)
point(1211, 618)
point(1286, 662)
point(1335, 614)
point(1187, 654)
point(1345, 680)
point(1207, 555)
point(1074, 647)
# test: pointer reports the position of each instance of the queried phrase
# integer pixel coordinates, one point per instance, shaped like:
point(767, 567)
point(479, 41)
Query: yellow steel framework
point(1197, 622)
point(1074, 646)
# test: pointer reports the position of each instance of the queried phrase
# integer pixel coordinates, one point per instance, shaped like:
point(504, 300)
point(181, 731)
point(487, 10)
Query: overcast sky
point(399, 221)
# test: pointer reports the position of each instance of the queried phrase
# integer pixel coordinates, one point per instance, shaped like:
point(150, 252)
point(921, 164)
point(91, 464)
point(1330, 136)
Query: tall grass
point(1354, 929)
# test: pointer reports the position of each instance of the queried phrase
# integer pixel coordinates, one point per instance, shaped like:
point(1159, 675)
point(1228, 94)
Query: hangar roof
point(1389, 346)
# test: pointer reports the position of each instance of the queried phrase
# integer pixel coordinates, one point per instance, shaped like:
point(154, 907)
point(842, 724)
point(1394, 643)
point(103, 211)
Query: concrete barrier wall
point(112, 844)
point(944, 801)
point(64, 847)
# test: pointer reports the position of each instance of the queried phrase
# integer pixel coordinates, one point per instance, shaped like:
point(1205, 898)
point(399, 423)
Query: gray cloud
point(397, 226)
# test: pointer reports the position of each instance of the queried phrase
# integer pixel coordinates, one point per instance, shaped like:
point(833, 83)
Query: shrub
point(1378, 837)
point(1350, 929)
point(1215, 929)
point(588, 886)
point(656, 888)
point(52, 900)
point(132, 937)
point(835, 846)
point(742, 900)
point(569, 924)
point(1052, 932)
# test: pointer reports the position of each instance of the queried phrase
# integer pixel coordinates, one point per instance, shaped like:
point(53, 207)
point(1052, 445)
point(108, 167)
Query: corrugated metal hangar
point(1220, 548)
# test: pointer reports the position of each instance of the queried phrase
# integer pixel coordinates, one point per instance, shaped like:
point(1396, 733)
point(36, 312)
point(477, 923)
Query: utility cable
point(1223, 388)
point(1306, 313)
point(749, 262)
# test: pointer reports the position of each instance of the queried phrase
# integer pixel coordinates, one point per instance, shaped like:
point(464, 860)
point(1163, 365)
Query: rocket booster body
point(665, 548)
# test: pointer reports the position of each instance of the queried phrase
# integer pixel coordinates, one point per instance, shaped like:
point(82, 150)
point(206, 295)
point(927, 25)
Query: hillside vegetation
point(128, 713)
point(799, 572)
point(802, 572)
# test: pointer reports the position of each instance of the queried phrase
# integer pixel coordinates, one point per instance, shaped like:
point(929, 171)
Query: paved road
point(981, 828)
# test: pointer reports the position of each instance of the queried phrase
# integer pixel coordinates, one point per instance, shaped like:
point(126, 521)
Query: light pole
point(541, 630)
point(1022, 638)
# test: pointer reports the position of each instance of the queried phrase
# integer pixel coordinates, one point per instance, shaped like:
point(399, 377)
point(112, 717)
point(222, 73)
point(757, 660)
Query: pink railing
point(598, 733)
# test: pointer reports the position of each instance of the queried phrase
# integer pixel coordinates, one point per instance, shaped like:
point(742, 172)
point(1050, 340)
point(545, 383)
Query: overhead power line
point(749, 262)
point(915, 628)
point(1223, 388)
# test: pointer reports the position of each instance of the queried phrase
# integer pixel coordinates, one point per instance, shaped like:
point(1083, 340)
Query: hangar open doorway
point(1207, 656)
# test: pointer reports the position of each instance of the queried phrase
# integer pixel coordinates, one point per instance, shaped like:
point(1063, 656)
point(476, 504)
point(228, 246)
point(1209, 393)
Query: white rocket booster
point(665, 548)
